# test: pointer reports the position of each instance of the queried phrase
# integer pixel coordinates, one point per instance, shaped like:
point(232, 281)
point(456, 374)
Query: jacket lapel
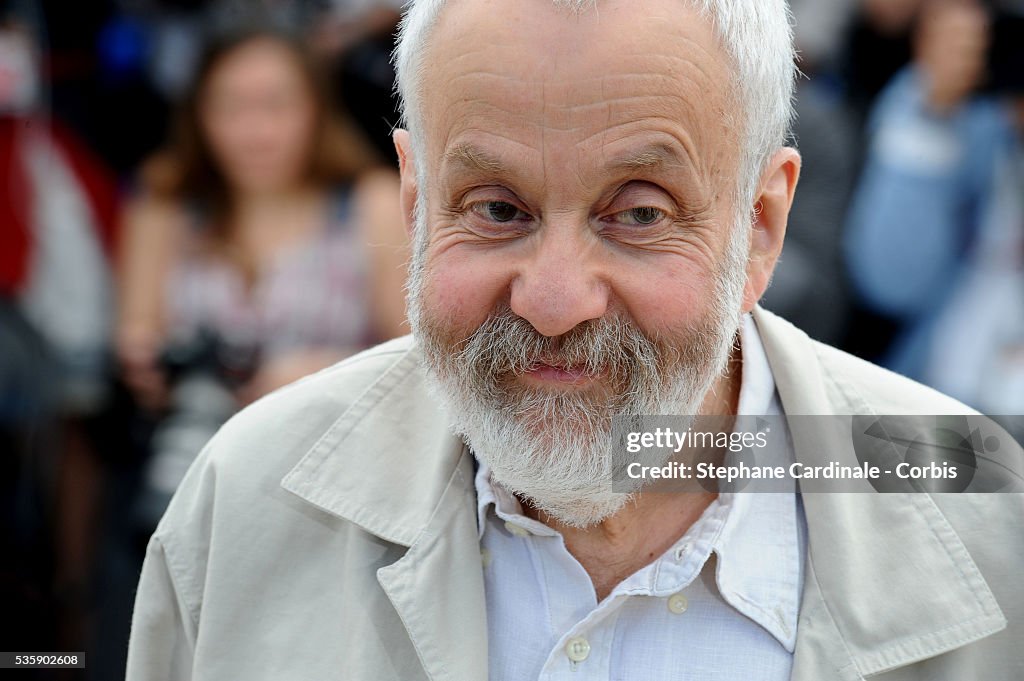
point(390, 465)
point(438, 589)
point(888, 582)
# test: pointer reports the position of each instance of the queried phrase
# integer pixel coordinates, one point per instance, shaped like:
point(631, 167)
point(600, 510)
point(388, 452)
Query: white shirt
point(720, 603)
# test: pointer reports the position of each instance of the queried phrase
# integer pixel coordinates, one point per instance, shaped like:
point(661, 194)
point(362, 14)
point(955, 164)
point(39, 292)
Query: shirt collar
point(757, 386)
point(758, 539)
point(764, 529)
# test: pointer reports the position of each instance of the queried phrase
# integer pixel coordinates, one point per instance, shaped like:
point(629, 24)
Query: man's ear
point(407, 171)
point(770, 217)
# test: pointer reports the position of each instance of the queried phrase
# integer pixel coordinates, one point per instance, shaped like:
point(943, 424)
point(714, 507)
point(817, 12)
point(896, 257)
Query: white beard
point(555, 448)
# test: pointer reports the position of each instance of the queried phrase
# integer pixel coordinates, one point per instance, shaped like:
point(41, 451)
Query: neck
point(286, 197)
point(651, 523)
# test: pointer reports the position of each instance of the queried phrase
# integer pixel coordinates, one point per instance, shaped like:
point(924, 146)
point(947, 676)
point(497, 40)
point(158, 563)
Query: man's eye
point(644, 215)
point(498, 211)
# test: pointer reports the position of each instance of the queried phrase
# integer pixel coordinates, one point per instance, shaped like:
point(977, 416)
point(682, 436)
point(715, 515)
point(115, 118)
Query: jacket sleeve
point(917, 203)
point(163, 630)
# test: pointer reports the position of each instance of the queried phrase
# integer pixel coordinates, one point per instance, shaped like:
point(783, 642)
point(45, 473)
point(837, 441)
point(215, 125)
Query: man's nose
point(559, 286)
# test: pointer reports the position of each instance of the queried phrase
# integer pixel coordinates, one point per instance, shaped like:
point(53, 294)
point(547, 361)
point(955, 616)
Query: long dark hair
point(186, 170)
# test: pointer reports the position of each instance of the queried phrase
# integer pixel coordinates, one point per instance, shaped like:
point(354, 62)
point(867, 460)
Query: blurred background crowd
point(198, 204)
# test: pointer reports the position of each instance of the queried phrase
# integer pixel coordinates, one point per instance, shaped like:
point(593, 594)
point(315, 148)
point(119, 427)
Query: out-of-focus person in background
point(936, 233)
point(57, 217)
point(809, 286)
point(356, 37)
point(819, 29)
point(878, 44)
point(849, 49)
point(265, 245)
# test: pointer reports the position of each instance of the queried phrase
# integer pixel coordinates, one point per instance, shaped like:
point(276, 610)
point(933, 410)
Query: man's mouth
point(560, 374)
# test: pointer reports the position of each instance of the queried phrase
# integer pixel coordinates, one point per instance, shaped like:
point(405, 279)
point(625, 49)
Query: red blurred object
point(17, 196)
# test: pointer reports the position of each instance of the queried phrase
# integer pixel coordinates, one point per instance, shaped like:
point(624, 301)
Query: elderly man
point(598, 194)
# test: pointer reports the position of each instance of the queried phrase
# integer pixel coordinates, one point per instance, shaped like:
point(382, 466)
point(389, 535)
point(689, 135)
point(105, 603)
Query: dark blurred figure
point(820, 29)
point(810, 287)
point(878, 46)
point(101, 82)
point(57, 211)
point(936, 234)
point(873, 42)
point(357, 37)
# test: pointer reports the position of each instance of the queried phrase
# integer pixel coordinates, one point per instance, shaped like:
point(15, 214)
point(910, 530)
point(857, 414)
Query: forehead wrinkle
point(475, 38)
point(673, 101)
point(673, 139)
point(475, 87)
point(571, 50)
point(660, 74)
point(541, 113)
point(477, 118)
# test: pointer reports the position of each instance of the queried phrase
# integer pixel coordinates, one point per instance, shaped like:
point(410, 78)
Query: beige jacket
point(329, 532)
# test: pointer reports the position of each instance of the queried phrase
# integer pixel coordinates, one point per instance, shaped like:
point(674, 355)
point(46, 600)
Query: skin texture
point(549, 138)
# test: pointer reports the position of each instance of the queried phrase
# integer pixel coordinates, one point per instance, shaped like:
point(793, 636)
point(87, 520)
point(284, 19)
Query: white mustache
point(508, 344)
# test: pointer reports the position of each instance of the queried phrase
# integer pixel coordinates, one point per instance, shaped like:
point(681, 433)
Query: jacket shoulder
point(870, 389)
point(250, 454)
point(296, 415)
point(234, 536)
point(815, 378)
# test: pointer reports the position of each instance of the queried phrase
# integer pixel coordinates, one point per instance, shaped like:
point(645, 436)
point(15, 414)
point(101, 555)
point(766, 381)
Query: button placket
point(596, 630)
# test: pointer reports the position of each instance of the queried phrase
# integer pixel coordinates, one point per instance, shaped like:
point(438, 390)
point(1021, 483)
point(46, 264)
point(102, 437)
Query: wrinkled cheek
point(668, 300)
point(462, 292)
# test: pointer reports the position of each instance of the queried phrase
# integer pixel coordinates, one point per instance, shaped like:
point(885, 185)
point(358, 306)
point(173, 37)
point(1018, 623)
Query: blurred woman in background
point(263, 235)
point(265, 245)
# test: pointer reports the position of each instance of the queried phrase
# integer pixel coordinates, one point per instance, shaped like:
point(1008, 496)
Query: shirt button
point(577, 649)
point(677, 603)
point(485, 557)
point(516, 529)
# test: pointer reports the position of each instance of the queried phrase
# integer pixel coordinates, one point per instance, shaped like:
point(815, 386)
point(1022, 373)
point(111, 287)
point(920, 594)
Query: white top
point(721, 603)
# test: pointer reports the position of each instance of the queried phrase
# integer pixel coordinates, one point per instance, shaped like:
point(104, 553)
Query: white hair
point(757, 35)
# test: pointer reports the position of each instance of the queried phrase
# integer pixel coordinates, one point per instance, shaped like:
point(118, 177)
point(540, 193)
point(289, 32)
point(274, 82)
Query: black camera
point(203, 371)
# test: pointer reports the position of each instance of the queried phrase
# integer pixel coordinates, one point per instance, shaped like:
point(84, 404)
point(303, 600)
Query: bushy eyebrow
point(468, 157)
point(652, 157)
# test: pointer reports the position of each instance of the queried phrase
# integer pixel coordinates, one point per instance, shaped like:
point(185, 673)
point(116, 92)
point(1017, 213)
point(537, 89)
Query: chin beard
point(554, 447)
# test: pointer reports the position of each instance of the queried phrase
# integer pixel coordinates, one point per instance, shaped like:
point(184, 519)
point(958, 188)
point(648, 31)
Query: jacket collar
point(888, 580)
point(390, 465)
point(386, 462)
